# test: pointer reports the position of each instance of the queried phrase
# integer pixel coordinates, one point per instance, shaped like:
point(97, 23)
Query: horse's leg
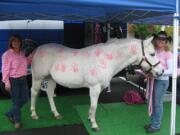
point(36, 84)
point(94, 96)
point(50, 93)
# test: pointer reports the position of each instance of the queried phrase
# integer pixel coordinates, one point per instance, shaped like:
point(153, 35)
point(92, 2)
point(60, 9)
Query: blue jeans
point(160, 88)
point(19, 96)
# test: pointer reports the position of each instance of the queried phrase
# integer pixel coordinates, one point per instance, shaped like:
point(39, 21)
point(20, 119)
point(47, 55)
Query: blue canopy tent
point(86, 10)
point(132, 11)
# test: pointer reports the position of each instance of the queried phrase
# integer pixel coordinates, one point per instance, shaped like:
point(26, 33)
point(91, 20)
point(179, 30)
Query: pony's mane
point(121, 41)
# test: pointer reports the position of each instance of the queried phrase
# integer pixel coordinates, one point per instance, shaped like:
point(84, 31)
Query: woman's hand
point(7, 88)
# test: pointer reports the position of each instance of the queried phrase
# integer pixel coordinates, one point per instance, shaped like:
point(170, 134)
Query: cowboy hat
point(162, 35)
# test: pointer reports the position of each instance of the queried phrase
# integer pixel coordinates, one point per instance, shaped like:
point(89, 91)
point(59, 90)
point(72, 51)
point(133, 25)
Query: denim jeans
point(160, 88)
point(19, 96)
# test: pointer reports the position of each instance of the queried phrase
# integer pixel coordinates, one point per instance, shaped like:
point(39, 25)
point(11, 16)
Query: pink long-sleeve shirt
point(13, 65)
point(165, 58)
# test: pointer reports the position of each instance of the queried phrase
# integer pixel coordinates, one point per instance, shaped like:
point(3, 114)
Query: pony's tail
point(29, 46)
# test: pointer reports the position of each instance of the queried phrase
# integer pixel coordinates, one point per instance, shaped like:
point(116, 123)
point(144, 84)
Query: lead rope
point(149, 93)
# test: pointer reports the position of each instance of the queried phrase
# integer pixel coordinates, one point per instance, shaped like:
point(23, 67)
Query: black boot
point(151, 130)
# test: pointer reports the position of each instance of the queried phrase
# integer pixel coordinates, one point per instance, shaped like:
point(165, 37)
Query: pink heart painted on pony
point(98, 52)
point(109, 56)
point(75, 67)
point(93, 72)
point(103, 64)
point(85, 53)
point(60, 67)
point(133, 49)
point(75, 53)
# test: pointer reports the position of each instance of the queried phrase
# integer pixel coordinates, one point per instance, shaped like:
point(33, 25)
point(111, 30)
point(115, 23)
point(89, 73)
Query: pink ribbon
point(149, 93)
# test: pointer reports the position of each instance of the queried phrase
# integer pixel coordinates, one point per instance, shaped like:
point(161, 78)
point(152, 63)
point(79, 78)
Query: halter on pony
point(144, 58)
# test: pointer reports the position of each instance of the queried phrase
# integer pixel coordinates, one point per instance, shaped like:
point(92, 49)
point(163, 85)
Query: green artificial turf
point(65, 105)
point(113, 119)
point(122, 119)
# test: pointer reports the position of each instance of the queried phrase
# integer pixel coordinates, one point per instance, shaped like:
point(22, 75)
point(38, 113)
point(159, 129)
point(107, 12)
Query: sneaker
point(18, 125)
point(152, 130)
point(147, 126)
point(11, 119)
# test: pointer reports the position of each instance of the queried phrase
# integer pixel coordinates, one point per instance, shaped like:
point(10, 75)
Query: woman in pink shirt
point(161, 83)
point(14, 71)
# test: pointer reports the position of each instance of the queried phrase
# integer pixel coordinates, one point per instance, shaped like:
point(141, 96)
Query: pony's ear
point(148, 41)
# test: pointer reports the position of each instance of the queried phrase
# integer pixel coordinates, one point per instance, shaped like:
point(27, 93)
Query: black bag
point(3, 90)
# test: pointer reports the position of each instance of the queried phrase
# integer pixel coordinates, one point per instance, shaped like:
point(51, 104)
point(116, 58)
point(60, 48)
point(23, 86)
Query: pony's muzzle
point(160, 74)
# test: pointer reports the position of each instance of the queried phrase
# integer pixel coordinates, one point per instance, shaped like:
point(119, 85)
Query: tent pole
point(108, 30)
point(174, 74)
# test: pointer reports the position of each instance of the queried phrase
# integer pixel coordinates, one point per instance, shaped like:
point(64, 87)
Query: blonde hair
point(155, 43)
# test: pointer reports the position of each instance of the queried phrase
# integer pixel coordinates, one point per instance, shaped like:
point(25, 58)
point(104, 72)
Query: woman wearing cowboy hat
point(161, 83)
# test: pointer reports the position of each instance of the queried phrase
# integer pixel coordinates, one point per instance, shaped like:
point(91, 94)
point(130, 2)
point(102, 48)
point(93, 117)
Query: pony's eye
point(152, 54)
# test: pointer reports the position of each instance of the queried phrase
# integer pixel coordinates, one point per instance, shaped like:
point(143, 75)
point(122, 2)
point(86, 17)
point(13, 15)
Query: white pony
point(92, 67)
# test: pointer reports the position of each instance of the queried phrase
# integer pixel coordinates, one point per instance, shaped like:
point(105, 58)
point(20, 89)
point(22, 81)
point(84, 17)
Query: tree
point(144, 31)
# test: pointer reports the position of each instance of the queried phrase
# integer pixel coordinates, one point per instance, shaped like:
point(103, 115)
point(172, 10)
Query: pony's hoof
point(96, 129)
point(35, 117)
point(58, 117)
